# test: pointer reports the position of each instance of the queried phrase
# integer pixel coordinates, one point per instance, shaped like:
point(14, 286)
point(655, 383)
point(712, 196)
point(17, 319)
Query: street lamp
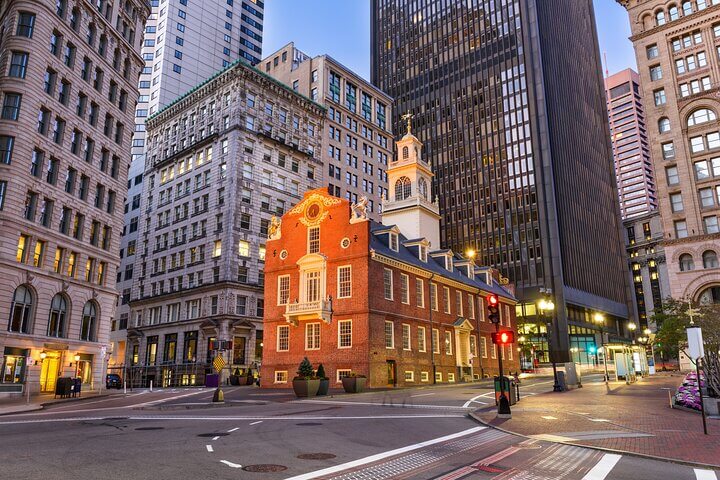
point(547, 305)
point(599, 319)
point(632, 327)
point(521, 349)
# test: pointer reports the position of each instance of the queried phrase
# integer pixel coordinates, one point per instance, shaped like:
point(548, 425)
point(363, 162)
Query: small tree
point(305, 370)
point(321, 372)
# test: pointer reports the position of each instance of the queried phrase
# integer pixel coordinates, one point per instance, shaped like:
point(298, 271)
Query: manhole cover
point(213, 435)
point(308, 424)
point(264, 468)
point(316, 456)
point(150, 428)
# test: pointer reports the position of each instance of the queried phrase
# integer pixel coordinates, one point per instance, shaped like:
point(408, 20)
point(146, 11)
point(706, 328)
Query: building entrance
point(49, 371)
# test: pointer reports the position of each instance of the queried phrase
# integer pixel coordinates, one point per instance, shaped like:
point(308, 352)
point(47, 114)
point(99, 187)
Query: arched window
point(402, 188)
point(406, 153)
point(89, 323)
point(423, 188)
point(660, 18)
point(75, 19)
point(710, 259)
point(686, 262)
point(664, 125)
point(700, 116)
point(57, 324)
point(709, 296)
point(90, 37)
point(687, 8)
point(21, 310)
point(674, 13)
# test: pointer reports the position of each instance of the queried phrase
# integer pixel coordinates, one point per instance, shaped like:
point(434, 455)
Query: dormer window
point(448, 263)
point(423, 253)
point(313, 239)
point(393, 242)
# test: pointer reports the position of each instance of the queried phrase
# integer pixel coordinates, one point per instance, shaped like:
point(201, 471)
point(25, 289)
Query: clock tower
point(410, 205)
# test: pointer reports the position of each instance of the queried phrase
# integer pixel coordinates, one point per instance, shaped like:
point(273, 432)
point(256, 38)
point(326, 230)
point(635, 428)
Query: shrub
point(321, 372)
point(305, 370)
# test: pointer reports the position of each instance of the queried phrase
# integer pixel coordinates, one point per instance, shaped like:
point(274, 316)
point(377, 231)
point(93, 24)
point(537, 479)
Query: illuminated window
point(217, 248)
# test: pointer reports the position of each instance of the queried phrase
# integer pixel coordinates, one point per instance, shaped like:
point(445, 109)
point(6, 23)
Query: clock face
point(313, 211)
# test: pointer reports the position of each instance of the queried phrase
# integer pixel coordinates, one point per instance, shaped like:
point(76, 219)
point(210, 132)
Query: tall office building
point(69, 84)
point(222, 161)
point(509, 99)
point(676, 47)
point(357, 140)
point(628, 134)
point(185, 43)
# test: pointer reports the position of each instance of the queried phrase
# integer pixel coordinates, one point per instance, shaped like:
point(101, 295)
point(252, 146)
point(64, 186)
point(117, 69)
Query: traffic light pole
point(503, 403)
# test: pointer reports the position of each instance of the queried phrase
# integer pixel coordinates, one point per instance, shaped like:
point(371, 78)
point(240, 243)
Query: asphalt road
point(422, 433)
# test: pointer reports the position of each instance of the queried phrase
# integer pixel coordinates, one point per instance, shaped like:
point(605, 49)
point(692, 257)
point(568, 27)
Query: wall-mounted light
point(43, 355)
point(76, 358)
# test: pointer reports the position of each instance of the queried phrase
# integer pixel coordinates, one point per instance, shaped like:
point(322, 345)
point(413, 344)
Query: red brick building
point(357, 295)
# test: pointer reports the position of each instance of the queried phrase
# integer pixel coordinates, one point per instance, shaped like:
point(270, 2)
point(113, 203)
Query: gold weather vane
point(408, 118)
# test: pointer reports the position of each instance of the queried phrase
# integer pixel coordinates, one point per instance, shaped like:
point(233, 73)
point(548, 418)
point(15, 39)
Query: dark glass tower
point(509, 100)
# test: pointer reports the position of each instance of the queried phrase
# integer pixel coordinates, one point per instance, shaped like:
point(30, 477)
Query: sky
point(341, 29)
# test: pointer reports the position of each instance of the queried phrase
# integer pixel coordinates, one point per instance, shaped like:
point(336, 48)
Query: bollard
point(125, 388)
point(670, 399)
point(150, 385)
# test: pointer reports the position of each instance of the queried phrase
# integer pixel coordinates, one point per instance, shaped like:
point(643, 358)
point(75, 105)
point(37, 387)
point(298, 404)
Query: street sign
point(218, 363)
point(695, 343)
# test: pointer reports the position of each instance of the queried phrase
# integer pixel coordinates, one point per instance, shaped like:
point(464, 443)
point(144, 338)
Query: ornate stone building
point(676, 45)
point(222, 160)
point(68, 80)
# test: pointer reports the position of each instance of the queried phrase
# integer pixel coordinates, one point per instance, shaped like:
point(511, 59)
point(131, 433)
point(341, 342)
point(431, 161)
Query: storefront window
point(239, 351)
point(13, 369)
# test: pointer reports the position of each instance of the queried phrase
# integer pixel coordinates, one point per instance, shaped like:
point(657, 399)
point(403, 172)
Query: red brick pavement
point(640, 408)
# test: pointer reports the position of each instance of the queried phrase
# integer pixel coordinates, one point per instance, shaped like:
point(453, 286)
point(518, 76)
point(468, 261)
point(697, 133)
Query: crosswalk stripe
point(701, 474)
point(603, 467)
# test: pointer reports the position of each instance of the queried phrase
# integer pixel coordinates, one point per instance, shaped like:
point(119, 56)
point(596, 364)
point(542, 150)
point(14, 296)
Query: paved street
point(414, 433)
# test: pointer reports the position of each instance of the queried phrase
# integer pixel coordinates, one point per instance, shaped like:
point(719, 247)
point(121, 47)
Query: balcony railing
point(317, 310)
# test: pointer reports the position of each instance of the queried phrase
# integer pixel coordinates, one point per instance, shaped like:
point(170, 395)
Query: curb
point(688, 463)
point(40, 406)
point(34, 408)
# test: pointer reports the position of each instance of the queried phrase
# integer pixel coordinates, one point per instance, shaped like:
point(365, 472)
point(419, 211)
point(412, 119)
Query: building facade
point(676, 51)
point(69, 84)
point(631, 151)
point(357, 140)
point(523, 170)
point(185, 43)
point(646, 259)
point(427, 325)
point(222, 160)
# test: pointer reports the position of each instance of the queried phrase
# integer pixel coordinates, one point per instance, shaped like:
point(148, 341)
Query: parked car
point(113, 380)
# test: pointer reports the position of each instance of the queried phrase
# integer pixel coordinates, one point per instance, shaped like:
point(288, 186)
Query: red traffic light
point(503, 338)
point(492, 300)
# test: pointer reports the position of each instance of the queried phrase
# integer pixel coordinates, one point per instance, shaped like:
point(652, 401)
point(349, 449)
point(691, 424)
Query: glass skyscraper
point(509, 99)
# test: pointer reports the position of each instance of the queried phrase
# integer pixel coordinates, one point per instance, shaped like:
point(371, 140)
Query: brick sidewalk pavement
point(631, 418)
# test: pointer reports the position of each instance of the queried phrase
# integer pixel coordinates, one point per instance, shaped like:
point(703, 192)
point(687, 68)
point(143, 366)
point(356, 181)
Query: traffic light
point(503, 338)
point(493, 308)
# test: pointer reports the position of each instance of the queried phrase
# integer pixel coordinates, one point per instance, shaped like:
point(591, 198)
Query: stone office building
point(359, 296)
point(221, 161)
point(68, 80)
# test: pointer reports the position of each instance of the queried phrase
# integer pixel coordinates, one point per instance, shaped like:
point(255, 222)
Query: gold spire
point(408, 118)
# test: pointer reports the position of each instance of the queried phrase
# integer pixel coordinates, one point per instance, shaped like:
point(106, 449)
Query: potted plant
point(306, 384)
point(235, 377)
point(354, 383)
point(324, 381)
point(250, 378)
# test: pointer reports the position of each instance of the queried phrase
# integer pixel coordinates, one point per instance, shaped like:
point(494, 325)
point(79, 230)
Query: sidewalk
point(633, 418)
point(38, 402)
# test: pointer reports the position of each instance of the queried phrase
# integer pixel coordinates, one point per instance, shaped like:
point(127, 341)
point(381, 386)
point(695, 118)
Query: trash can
point(212, 380)
point(63, 387)
point(509, 390)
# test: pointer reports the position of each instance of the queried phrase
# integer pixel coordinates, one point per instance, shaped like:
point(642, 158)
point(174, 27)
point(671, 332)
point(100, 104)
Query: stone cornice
point(693, 239)
point(682, 24)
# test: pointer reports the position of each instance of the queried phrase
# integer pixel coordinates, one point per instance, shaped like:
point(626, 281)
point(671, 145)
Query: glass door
point(49, 373)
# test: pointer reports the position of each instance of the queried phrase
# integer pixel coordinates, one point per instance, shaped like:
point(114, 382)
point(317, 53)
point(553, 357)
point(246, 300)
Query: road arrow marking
point(209, 448)
point(230, 464)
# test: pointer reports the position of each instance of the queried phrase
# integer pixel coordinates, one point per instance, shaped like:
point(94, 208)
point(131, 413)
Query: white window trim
point(277, 339)
point(338, 281)
point(392, 295)
point(307, 246)
point(338, 371)
point(276, 376)
point(409, 331)
point(412, 376)
point(279, 301)
point(405, 280)
point(446, 343)
point(424, 376)
point(434, 296)
point(421, 301)
point(459, 304)
point(306, 336)
point(392, 335)
point(338, 332)
point(451, 377)
point(424, 342)
point(438, 376)
point(437, 344)
point(483, 351)
point(446, 300)
point(394, 240)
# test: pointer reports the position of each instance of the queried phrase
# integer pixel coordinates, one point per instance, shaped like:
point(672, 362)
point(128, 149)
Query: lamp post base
point(504, 406)
point(556, 385)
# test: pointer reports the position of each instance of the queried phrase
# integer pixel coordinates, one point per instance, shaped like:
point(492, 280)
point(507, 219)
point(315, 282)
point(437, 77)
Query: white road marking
point(380, 456)
point(601, 470)
point(233, 429)
point(209, 448)
point(422, 394)
point(230, 464)
point(475, 399)
point(225, 419)
point(255, 423)
point(215, 438)
point(701, 474)
point(548, 417)
point(598, 420)
point(394, 405)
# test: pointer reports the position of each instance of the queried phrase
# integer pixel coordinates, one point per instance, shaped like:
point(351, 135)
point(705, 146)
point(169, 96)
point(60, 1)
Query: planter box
point(324, 387)
point(234, 379)
point(306, 388)
point(354, 384)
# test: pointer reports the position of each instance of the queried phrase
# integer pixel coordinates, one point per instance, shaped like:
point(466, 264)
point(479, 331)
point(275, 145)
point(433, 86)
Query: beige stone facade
point(357, 138)
point(676, 45)
point(69, 85)
point(222, 161)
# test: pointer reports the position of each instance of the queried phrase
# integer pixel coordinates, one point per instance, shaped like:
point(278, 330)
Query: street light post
point(547, 305)
point(599, 318)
